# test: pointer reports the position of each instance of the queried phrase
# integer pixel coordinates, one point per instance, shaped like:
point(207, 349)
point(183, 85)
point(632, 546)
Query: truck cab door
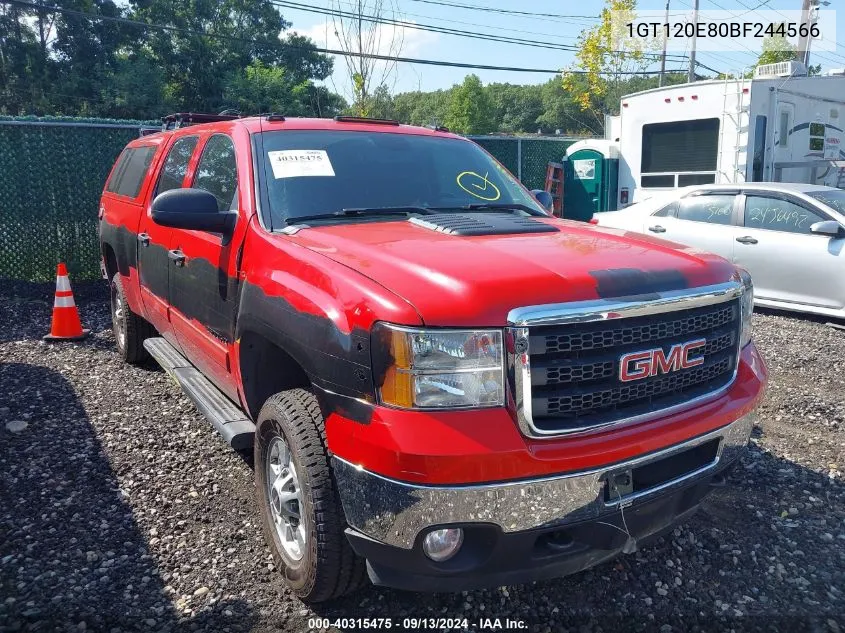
point(154, 239)
point(204, 280)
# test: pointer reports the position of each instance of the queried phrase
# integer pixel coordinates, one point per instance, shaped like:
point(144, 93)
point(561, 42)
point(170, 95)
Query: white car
point(790, 237)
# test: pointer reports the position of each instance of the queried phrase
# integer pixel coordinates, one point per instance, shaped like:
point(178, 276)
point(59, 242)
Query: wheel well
point(110, 261)
point(267, 369)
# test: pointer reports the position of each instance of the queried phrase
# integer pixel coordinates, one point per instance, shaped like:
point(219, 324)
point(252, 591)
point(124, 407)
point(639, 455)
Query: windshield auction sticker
point(294, 163)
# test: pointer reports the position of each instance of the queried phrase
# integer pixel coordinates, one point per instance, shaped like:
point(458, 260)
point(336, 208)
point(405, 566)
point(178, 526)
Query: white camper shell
point(781, 129)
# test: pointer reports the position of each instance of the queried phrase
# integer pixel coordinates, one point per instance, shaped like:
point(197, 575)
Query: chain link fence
point(527, 157)
point(52, 172)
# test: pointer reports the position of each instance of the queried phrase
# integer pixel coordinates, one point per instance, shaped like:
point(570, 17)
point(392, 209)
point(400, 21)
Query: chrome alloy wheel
point(117, 317)
point(283, 493)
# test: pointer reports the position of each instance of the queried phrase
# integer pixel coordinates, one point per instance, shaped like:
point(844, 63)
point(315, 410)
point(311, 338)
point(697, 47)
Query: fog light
point(441, 545)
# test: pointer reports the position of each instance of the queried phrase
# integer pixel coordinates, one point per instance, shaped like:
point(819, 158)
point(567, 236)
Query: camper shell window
point(656, 182)
point(684, 150)
point(685, 180)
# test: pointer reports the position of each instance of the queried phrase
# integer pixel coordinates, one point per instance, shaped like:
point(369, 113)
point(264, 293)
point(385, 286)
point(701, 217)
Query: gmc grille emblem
point(650, 363)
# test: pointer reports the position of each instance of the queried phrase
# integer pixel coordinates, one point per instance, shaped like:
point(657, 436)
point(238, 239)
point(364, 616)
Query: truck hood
point(456, 280)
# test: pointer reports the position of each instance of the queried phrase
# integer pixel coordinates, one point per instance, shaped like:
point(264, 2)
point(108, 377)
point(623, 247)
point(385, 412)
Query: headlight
point(423, 368)
point(746, 306)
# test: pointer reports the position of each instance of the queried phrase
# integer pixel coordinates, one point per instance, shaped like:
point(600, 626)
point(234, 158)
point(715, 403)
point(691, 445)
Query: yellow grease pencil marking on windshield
point(478, 186)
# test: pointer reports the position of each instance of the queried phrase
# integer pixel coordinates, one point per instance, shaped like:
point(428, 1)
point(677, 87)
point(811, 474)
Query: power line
point(317, 49)
point(476, 24)
point(421, 27)
point(436, 29)
point(475, 7)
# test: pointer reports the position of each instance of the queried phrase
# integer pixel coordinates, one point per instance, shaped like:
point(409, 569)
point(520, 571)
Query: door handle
point(656, 229)
point(144, 238)
point(177, 257)
point(746, 239)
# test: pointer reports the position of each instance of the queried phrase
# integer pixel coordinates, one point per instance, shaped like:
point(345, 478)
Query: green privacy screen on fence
point(51, 175)
point(526, 157)
point(52, 172)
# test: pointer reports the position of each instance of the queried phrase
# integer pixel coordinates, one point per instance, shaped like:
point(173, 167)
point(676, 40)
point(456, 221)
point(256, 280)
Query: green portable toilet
point(591, 178)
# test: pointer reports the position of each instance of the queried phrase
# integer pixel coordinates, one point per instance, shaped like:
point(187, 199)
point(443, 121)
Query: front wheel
point(300, 508)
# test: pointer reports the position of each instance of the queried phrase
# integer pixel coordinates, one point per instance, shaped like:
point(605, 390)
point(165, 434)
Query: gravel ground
point(121, 509)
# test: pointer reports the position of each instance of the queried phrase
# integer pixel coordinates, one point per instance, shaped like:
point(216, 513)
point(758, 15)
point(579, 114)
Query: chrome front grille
point(566, 360)
point(657, 329)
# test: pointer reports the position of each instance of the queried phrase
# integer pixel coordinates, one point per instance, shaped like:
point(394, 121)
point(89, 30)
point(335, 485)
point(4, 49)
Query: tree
point(208, 56)
point(22, 64)
point(562, 110)
point(606, 58)
point(779, 49)
point(470, 110)
point(360, 29)
point(380, 104)
point(423, 108)
point(776, 49)
point(263, 88)
point(515, 108)
point(85, 52)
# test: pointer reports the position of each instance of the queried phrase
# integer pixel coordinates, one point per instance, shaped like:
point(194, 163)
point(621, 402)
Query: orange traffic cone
point(66, 324)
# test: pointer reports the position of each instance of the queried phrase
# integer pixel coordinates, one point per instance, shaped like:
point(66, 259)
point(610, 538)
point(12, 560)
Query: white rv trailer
point(774, 127)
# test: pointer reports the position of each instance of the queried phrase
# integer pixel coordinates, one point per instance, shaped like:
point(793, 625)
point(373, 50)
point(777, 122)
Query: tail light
point(623, 196)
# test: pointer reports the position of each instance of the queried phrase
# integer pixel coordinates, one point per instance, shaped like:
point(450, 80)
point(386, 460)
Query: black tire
point(328, 568)
point(130, 330)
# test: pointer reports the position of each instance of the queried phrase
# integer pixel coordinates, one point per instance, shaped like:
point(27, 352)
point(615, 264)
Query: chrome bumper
point(395, 512)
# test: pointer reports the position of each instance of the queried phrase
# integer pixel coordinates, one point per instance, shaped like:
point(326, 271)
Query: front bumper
point(493, 558)
point(396, 513)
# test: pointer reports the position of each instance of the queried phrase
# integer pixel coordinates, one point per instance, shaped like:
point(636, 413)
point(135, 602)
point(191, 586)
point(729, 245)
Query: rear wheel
point(300, 507)
point(130, 330)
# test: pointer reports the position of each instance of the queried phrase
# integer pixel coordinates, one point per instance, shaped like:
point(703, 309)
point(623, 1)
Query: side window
point(217, 171)
point(783, 127)
point(131, 169)
point(713, 209)
point(757, 164)
point(670, 211)
point(176, 164)
point(117, 172)
point(777, 214)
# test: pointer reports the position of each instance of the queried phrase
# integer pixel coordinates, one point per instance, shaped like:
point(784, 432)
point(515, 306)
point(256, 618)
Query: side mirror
point(828, 227)
point(544, 198)
point(193, 209)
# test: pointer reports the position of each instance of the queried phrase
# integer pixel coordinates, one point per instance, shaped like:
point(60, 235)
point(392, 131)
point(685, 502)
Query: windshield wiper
point(482, 206)
point(359, 212)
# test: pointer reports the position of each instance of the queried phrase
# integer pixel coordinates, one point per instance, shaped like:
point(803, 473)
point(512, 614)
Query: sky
point(554, 30)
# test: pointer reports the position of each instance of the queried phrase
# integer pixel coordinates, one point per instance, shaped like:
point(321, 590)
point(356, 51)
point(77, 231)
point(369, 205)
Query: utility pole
point(804, 40)
point(665, 40)
point(691, 74)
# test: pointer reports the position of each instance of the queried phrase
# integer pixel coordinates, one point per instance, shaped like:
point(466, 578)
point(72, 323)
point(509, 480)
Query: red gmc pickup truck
point(444, 387)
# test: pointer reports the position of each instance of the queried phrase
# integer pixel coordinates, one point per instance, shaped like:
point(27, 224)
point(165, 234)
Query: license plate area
point(632, 482)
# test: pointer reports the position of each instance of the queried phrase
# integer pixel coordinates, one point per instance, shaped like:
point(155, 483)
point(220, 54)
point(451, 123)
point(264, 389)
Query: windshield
point(310, 172)
point(834, 199)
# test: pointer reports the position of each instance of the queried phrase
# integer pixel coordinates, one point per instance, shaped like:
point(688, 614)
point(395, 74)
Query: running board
point(237, 429)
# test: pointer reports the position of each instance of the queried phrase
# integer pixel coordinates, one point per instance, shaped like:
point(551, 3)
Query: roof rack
point(274, 116)
point(439, 128)
point(364, 119)
point(181, 119)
